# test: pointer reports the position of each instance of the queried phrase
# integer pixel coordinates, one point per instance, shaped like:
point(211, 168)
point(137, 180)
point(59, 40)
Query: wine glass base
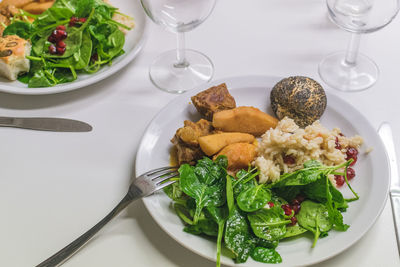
point(173, 78)
point(339, 75)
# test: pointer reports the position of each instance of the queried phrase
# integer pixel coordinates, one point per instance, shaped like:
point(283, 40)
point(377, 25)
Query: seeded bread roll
point(13, 50)
point(299, 98)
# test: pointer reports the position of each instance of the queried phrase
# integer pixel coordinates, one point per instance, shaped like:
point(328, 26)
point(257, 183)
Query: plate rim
point(71, 86)
point(258, 78)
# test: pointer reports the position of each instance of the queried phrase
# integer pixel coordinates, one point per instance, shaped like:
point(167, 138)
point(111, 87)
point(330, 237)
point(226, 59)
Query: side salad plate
point(85, 70)
point(371, 184)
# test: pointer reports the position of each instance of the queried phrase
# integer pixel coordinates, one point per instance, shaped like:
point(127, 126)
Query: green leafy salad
point(249, 219)
point(71, 37)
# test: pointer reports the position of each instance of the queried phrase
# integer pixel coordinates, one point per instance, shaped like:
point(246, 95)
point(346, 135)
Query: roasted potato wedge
point(211, 144)
point(239, 155)
point(245, 120)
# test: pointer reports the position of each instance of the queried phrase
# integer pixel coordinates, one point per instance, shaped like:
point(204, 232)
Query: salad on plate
point(251, 180)
point(59, 43)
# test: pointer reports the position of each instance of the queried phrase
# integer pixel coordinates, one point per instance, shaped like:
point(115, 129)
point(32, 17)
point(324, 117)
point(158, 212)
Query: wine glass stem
point(352, 49)
point(180, 51)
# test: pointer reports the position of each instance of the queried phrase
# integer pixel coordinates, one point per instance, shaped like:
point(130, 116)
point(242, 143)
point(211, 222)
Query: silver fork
point(144, 185)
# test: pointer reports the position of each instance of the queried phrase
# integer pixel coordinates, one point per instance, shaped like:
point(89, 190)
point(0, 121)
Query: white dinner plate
point(133, 43)
point(371, 181)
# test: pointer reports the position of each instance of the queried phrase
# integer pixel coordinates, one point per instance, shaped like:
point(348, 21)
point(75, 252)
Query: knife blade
point(46, 124)
point(385, 132)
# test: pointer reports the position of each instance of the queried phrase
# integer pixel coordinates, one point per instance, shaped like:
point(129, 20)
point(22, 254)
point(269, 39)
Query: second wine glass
point(350, 71)
point(180, 70)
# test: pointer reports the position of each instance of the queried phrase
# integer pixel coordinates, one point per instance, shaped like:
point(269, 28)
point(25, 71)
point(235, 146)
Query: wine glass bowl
point(348, 70)
point(181, 15)
point(362, 16)
point(179, 70)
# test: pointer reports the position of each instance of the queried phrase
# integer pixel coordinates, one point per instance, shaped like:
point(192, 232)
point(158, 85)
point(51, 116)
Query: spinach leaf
point(203, 226)
point(261, 242)
point(317, 191)
point(294, 230)
point(253, 198)
point(314, 217)
point(219, 215)
point(266, 255)
point(174, 191)
point(80, 59)
point(208, 171)
point(312, 171)
point(334, 214)
point(203, 193)
point(269, 224)
point(312, 164)
point(289, 192)
point(73, 43)
point(229, 194)
point(21, 28)
point(245, 180)
point(238, 236)
point(183, 213)
point(39, 79)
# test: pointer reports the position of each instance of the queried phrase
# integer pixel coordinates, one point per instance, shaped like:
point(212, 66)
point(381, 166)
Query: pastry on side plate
point(13, 52)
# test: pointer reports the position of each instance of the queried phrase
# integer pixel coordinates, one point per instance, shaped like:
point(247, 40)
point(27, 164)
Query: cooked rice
point(313, 142)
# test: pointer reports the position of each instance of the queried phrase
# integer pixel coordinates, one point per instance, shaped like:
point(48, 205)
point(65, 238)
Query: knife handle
point(395, 199)
point(6, 121)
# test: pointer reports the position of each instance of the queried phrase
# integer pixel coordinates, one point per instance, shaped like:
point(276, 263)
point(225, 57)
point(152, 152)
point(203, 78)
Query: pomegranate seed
point(83, 20)
point(337, 144)
point(271, 204)
point(352, 152)
point(73, 21)
point(61, 35)
point(61, 50)
point(296, 208)
point(287, 209)
point(289, 160)
point(51, 39)
point(350, 173)
point(52, 49)
point(294, 221)
point(339, 180)
point(354, 160)
point(61, 28)
point(61, 44)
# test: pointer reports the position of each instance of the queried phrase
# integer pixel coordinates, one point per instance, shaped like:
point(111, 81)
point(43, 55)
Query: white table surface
point(53, 186)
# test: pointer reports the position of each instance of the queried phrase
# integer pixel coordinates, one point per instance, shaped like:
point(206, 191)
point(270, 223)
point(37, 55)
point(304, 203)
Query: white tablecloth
point(52, 186)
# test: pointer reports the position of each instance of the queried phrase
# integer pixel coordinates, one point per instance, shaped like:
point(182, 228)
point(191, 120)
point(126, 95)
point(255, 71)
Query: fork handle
point(65, 253)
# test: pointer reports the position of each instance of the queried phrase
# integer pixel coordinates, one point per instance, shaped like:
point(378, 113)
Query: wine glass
point(350, 71)
point(179, 70)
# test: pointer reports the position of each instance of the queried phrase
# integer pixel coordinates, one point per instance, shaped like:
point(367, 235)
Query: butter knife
point(385, 132)
point(46, 124)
